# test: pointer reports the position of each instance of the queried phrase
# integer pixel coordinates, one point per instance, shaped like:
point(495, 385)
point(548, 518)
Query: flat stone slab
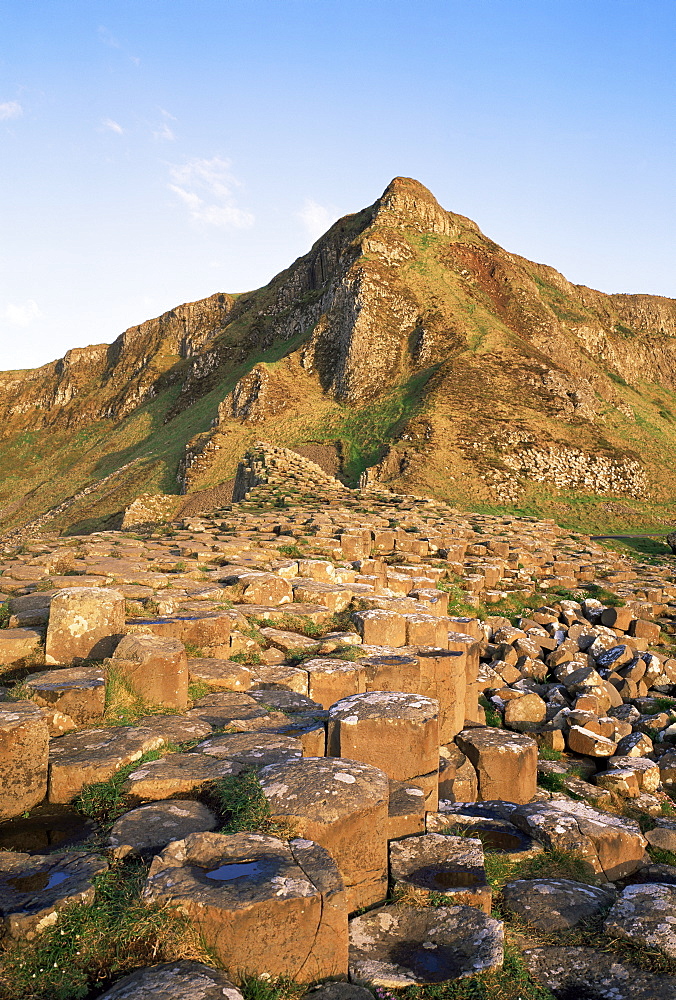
point(282, 700)
point(174, 981)
point(555, 904)
point(646, 915)
point(444, 865)
point(570, 971)
point(253, 749)
point(150, 828)
point(220, 675)
point(176, 774)
point(33, 888)
point(611, 844)
point(228, 709)
point(92, 755)
point(397, 946)
point(266, 907)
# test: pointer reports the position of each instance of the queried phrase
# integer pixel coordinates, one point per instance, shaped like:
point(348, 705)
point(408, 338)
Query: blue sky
point(156, 151)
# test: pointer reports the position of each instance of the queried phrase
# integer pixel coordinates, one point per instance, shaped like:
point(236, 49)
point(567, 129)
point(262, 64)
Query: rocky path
point(343, 733)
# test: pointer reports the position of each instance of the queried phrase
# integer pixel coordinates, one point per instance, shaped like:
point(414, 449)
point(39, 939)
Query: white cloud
point(112, 125)
point(10, 109)
point(22, 315)
point(206, 188)
point(316, 218)
point(163, 132)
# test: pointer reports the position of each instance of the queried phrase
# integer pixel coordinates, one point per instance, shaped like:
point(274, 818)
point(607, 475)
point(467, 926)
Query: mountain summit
point(405, 347)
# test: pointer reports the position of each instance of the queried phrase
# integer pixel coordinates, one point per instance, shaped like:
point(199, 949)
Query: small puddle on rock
point(237, 869)
point(499, 840)
point(38, 882)
point(47, 826)
point(456, 879)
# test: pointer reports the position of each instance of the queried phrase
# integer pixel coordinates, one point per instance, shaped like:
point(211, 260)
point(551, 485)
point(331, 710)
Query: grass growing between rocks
point(104, 801)
point(240, 800)
point(124, 706)
point(90, 945)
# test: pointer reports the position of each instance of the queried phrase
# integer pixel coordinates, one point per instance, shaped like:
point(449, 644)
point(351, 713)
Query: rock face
point(441, 313)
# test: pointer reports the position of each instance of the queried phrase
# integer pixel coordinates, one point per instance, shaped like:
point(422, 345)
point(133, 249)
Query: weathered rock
point(495, 834)
point(555, 904)
point(176, 774)
point(76, 692)
point(393, 731)
point(234, 710)
point(443, 676)
point(506, 763)
point(34, 888)
point(612, 845)
point(596, 975)
point(266, 907)
point(646, 915)
point(397, 946)
point(442, 864)
point(93, 755)
point(85, 623)
point(337, 803)
point(220, 675)
point(663, 835)
point(180, 980)
point(406, 810)
point(155, 668)
point(24, 753)
point(253, 749)
point(150, 828)
point(525, 714)
point(19, 646)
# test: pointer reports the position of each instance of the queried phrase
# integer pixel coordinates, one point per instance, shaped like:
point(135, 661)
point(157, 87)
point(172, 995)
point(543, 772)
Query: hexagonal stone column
point(24, 754)
point(396, 946)
point(392, 730)
point(156, 669)
point(342, 805)
point(443, 675)
point(266, 907)
point(391, 672)
point(329, 680)
point(505, 763)
point(85, 623)
point(447, 865)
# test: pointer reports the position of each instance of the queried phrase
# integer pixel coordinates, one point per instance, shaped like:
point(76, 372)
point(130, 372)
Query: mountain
point(405, 347)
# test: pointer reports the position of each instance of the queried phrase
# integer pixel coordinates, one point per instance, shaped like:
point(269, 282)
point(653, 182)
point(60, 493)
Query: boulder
point(555, 904)
point(24, 754)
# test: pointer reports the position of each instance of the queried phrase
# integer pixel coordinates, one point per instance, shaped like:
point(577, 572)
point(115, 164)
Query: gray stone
point(33, 888)
point(150, 828)
point(646, 915)
point(176, 774)
point(663, 835)
point(444, 865)
point(174, 981)
point(397, 946)
point(588, 974)
point(612, 845)
point(253, 749)
point(555, 904)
